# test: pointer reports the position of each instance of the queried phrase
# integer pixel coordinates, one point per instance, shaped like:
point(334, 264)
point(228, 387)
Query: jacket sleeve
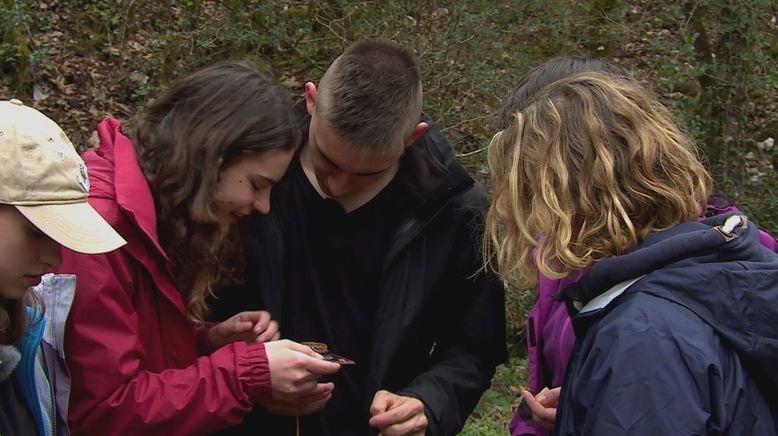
point(202, 336)
point(113, 394)
point(470, 341)
point(652, 370)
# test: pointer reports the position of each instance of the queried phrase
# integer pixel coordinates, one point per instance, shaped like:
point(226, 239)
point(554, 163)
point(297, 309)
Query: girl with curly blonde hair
point(594, 173)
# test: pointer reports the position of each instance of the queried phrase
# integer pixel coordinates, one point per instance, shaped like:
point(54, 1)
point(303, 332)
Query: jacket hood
point(729, 280)
point(429, 166)
point(116, 176)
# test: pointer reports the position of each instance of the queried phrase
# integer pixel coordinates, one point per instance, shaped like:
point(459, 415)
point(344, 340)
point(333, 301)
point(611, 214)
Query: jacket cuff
point(253, 370)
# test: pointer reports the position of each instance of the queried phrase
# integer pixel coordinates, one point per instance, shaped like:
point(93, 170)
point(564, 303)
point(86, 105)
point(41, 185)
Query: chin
point(17, 293)
point(228, 221)
point(330, 195)
point(225, 219)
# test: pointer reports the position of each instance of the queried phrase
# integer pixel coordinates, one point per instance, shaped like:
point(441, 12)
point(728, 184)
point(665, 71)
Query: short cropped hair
point(586, 171)
point(371, 95)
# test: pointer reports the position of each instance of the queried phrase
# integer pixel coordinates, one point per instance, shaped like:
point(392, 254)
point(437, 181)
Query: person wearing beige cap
point(176, 182)
point(43, 206)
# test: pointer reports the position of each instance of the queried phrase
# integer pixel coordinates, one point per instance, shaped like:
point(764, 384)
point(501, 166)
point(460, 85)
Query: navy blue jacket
point(691, 347)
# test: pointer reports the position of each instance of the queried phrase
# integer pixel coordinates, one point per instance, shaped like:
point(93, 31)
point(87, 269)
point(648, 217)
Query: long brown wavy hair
point(589, 168)
point(204, 123)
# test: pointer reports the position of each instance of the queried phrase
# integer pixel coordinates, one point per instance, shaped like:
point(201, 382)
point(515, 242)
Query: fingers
point(415, 426)
point(302, 349)
point(261, 319)
point(321, 391)
point(301, 406)
point(550, 397)
point(537, 407)
point(533, 404)
point(397, 415)
point(381, 402)
point(541, 414)
point(254, 316)
point(253, 326)
point(226, 332)
point(234, 326)
point(313, 393)
point(294, 373)
point(320, 366)
point(270, 332)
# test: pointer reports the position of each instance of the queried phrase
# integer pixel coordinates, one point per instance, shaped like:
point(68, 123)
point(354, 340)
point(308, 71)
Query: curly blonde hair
point(589, 168)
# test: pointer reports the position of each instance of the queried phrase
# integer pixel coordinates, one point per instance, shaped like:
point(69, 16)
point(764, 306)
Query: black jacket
point(689, 348)
point(439, 325)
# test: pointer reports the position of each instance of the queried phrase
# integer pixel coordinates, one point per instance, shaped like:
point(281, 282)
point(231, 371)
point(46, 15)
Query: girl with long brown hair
point(176, 183)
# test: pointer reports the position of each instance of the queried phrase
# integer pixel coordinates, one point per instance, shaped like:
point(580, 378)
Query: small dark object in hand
point(325, 352)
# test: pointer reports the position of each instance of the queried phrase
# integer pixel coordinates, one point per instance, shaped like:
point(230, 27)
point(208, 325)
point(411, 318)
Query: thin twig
point(470, 153)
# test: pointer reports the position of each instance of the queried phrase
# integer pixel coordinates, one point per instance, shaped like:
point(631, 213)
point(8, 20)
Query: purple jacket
point(550, 340)
point(550, 335)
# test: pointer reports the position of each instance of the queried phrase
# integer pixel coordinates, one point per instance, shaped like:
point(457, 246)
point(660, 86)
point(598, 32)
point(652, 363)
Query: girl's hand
point(251, 327)
point(543, 406)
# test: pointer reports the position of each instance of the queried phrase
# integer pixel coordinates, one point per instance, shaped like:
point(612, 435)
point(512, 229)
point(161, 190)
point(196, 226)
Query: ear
point(310, 97)
point(417, 133)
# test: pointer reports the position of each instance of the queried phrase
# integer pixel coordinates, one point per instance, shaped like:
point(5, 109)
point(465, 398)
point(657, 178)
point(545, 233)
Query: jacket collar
point(119, 178)
point(717, 269)
point(429, 170)
point(689, 243)
point(132, 191)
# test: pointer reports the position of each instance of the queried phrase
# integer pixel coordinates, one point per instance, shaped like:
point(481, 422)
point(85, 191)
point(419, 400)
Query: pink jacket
point(132, 351)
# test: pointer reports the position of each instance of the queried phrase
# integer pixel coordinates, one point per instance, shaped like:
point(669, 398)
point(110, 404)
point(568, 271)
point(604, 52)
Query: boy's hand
point(394, 414)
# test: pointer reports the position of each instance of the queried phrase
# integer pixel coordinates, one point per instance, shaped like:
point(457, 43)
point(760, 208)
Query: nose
point(51, 253)
point(339, 184)
point(262, 203)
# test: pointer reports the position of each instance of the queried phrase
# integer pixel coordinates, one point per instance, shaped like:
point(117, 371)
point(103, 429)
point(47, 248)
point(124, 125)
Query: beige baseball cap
point(42, 175)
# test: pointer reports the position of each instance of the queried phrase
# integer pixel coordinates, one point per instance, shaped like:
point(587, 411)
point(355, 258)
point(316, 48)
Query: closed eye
point(260, 182)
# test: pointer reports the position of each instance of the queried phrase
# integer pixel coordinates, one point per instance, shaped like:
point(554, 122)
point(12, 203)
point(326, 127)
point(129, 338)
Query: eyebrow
point(330, 161)
point(270, 180)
